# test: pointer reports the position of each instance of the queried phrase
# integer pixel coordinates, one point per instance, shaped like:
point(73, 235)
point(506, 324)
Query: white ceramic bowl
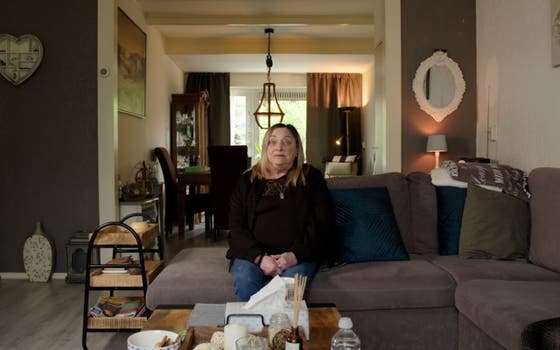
point(146, 340)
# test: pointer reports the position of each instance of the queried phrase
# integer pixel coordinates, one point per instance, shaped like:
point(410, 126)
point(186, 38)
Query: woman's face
point(282, 149)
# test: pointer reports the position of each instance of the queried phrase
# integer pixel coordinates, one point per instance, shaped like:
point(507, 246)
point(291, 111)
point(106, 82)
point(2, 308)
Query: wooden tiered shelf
point(131, 274)
point(116, 323)
point(118, 235)
point(131, 279)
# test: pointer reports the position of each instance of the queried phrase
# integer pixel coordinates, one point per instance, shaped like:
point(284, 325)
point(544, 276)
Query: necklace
point(281, 190)
point(276, 187)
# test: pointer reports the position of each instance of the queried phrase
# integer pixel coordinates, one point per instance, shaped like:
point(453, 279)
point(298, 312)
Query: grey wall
point(48, 129)
point(427, 25)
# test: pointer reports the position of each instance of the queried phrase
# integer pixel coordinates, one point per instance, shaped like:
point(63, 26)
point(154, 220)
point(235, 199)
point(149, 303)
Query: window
point(244, 129)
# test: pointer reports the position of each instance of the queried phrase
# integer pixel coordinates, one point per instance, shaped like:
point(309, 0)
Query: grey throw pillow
point(495, 226)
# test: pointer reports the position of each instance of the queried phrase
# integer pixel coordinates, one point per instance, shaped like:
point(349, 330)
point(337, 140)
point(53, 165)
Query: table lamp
point(436, 143)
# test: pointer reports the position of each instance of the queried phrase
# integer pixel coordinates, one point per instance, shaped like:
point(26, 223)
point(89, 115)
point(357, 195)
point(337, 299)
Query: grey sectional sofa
point(427, 302)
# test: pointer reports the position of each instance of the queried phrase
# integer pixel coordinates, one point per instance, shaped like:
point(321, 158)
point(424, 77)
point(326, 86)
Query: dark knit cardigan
point(313, 218)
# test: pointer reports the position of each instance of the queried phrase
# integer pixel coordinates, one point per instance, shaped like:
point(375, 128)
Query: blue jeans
point(248, 278)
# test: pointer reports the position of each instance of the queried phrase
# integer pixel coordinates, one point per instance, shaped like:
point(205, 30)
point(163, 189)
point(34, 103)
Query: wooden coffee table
point(323, 323)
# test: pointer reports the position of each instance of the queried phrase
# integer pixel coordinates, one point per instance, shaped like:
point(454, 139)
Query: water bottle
point(345, 338)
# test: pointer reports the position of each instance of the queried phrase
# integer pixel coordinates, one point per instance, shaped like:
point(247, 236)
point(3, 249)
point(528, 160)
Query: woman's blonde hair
point(296, 172)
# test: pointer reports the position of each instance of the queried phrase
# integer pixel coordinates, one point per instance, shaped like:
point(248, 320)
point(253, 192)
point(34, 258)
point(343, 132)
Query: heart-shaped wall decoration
point(19, 57)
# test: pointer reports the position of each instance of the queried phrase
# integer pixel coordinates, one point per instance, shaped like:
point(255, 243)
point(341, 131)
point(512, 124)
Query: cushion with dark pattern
point(365, 226)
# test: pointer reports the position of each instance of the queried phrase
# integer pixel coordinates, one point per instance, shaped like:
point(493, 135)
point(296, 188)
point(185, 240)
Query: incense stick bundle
point(299, 289)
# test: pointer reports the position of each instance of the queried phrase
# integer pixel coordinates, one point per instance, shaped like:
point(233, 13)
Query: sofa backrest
point(414, 202)
point(423, 213)
point(544, 185)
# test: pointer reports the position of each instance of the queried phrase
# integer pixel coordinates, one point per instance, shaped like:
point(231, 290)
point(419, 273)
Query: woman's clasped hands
point(273, 265)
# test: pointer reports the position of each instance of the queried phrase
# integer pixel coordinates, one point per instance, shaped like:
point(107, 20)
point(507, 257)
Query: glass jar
point(278, 321)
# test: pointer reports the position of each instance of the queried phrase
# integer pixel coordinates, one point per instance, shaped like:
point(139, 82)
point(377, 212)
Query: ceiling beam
point(216, 46)
point(275, 20)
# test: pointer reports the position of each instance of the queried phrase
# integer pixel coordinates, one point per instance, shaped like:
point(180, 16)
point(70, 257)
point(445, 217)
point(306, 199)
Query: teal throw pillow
point(495, 226)
point(450, 204)
point(366, 229)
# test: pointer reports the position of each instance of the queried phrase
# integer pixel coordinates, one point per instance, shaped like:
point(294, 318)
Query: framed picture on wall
point(555, 12)
point(131, 67)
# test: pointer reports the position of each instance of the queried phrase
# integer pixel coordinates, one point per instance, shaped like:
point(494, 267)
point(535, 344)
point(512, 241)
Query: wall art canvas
point(132, 67)
point(555, 11)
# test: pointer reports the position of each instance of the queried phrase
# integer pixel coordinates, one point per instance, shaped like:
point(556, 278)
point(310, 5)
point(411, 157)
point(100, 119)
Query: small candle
point(232, 332)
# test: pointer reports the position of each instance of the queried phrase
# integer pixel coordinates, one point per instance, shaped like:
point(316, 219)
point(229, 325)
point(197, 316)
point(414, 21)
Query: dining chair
point(227, 163)
point(194, 203)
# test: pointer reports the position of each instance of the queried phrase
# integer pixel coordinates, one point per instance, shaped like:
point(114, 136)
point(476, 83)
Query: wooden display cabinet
point(189, 129)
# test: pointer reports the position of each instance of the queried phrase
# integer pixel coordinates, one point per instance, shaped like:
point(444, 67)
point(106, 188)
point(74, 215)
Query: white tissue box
point(303, 321)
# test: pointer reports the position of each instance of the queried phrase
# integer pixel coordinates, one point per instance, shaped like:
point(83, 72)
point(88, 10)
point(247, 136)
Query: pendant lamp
point(268, 112)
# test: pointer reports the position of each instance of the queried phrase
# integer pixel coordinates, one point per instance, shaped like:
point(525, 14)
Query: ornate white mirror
point(438, 85)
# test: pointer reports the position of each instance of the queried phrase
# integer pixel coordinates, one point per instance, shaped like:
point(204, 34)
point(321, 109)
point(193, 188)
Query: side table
point(151, 206)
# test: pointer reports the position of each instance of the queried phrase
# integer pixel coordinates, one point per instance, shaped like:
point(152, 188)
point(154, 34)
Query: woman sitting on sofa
point(279, 217)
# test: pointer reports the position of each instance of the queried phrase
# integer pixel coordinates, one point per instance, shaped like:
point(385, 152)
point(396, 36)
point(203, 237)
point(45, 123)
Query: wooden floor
point(49, 315)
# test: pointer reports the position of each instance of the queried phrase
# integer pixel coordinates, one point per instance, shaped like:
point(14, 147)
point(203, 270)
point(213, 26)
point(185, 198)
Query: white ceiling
point(228, 35)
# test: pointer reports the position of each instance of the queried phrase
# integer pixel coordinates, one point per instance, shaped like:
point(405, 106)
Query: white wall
point(138, 136)
point(393, 67)
point(164, 79)
point(388, 97)
point(517, 86)
point(368, 120)
point(106, 113)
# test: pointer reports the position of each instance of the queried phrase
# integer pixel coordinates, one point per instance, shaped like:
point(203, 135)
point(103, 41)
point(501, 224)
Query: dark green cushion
point(450, 204)
point(366, 229)
point(495, 226)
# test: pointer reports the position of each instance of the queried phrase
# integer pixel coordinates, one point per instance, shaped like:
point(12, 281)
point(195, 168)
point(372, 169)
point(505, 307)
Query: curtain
point(217, 85)
point(328, 94)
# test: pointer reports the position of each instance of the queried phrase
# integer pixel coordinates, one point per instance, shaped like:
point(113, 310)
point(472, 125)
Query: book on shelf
point(117, 306)
point(119, 270)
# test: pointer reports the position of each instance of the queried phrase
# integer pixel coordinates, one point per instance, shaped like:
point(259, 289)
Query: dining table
point(194, 180)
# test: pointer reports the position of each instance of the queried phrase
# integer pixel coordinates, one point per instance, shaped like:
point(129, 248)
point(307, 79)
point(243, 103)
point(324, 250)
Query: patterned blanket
point(511, 180)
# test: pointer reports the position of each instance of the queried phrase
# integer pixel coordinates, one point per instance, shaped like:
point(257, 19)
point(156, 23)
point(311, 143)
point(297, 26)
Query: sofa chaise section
point(464, 270)
point(195, 275)
point(501, 310)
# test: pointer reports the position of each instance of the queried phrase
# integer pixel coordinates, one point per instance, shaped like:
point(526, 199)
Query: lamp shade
point(436, 143)
point(268, 112)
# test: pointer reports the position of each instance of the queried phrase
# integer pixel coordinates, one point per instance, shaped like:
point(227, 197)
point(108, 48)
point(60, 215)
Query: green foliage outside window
point(295, 113)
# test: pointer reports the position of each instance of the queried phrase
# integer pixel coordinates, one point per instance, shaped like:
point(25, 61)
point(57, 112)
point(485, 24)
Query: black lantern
point(268, 112)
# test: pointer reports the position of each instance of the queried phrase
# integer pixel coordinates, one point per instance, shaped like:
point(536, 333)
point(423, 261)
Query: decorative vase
point(38, 256)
